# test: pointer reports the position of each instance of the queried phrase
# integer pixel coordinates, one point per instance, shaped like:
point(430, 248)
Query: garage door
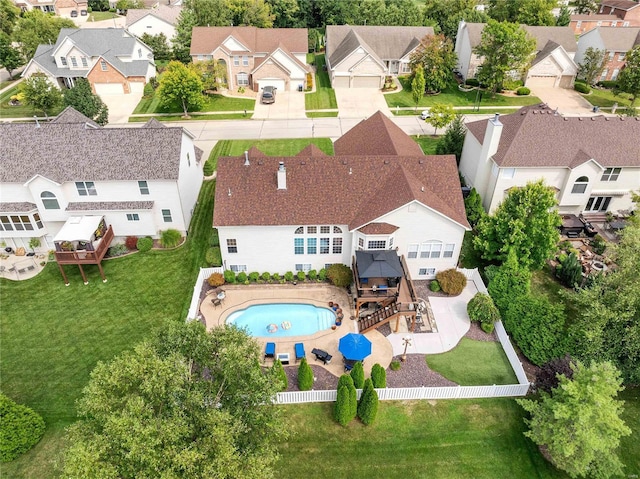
point(136, 87)
point(109, 88)
point(541, 81)
point(366, 82)
point(274, 82)
point(341, 82)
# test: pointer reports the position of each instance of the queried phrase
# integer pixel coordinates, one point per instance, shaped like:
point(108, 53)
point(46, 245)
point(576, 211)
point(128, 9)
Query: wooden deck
point(87, 256)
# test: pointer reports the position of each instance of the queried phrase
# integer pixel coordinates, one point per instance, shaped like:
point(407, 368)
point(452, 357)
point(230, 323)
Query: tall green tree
point(402, 13)
point(504, 47)
point(368, 405)
point(158, 44)
point(40, 93)
point(286, 13)
point(629, 78)
point(526, 222)
point(436, 56)
point(9, 15)
point(452, 141)
point(417, 85)
point(347, 381)
point(180, 84)
point(212, 73)
point(579, 423)
point(10, 57)
point(447, 15)
point(86, 102)
point(583, 7)
point(201, 13)
point(441, 115)
point(256, 13)
point(508, 282)
point(357, 374)
point(528, 12)
point(592, 64)
point(35, 28)
point(564, 17)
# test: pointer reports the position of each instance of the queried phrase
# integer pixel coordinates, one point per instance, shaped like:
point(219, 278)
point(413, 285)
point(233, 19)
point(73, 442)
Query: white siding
point(189, 183)
point(153, 26)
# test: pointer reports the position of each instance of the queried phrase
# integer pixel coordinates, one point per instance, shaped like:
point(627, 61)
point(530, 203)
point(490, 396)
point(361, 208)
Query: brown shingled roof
point(536, 137)
point(621, 4)
point(312, 150)
point(205, 40)
point(377, 135)
point(377, 229)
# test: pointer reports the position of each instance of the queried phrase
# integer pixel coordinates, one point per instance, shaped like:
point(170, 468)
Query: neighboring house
point(616, 42)
point(74, 9)
point(161, 19)
point(592, 163)
point(44, 5)
point(612, 13)
point(362, 56)
point(114, 61)
point(311, 210)
point(142, 180)
point(255, 57)
point(552, 66)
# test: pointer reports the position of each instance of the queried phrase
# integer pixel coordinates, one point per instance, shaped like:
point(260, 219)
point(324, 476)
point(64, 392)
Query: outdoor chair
point(270, 351)
point(216, 302)
point(299, 347)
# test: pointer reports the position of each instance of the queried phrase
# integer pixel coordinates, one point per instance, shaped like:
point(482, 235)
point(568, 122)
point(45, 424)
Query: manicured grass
point(474, 363)
point(427, 143)
point(322, 114)
point(53, 335)
point(22, 111)
point(324, 98)
point(99, 16)
point(213, 103)
point(212, 116)
point(469, 257)
point(630, 445)
point(606, 98)
point(455, 97)
point(461, 111)
point(6, 83)
point(544, 283)
point(481, 439)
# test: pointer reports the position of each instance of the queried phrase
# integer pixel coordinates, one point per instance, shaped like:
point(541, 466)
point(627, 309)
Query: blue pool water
point(304, 319)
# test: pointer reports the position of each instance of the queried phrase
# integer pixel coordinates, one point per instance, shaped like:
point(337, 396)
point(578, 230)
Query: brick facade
point(111, 75)
point(613, 64)
point(270, 70)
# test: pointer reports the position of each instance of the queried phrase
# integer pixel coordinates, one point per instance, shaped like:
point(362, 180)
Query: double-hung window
point(166, 216)
point(144, 187)
point(312, 245)
point(431, 249)
point(611, 174)
point(133, 217)
point(232, 246)
point(412, 251)
point(337, 245)
point(298, 245)
point(86, 188)
point(245, 61)
point(324, 245)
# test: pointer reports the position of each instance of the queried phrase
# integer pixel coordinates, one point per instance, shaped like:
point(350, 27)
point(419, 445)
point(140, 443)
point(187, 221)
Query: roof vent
point(580, 118)
point(422, 189)
point(246, 158)
point(303, 162)
point(606, 118)
point(496, 117)
point(344, 162)
point(229, 194)
point(350, 171)
point(260, 162)
point(420, 162)
point(386, 162)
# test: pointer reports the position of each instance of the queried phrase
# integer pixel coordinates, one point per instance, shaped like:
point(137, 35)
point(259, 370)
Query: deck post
point(64, 276)
point(104, 280)
point(84, 276)
point(397, 323)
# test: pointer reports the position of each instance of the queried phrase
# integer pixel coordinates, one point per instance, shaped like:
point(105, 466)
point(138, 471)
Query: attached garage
point(366, 82)
point(541, 81)
point(136, 87)
point(109, 88)
point(340, 82)
point(277, 83)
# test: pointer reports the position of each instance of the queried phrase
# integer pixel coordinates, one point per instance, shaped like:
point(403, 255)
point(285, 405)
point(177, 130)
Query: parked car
point(425, 114)
point(268, 95)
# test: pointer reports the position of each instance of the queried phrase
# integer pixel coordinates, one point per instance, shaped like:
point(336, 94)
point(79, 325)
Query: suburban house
point(114, 61)
point(592, 163)
point(616, 42)
point(552, 66)
point(612, 13)
point(255, 57)
point(138, 180)
point(362, 56)
point(311, 210)
point(161, 19)
point(76, 10)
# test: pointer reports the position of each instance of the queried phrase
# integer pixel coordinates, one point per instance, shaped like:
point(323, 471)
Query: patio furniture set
point(219, 298)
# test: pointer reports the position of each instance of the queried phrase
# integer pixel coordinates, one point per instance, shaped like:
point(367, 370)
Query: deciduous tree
point(9, 15)
point(526, 222)
point(592, 64)
point(256, 13)
point(10, 57)
point(452, 141)
point(40, 93)
point(417, 84)
point(158, 44)
point(528, 12)
point(436, 56)
point(35, 28)
point(504, 47)
point(447, 14)
point(179, 84)
point(441, 115)
point(473, 207)
point(583, 7)
point(402, 13)
point(579, 424)
point(86, 102)
point(285, 12)
point(629, 78)
point(212, 73)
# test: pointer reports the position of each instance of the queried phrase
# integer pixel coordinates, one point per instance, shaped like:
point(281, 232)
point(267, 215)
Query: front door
point(393, 67)
point(598, 203)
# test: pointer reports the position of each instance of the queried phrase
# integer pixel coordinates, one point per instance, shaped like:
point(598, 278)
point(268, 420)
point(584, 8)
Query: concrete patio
point(19, 268)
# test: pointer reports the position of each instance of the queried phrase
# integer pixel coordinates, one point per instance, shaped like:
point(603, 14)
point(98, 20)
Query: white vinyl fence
point(195, 299)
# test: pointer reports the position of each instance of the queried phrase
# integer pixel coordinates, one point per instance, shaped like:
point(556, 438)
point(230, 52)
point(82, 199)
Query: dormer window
point(63, 61)
point(103, 65)
point(74, 62)
point(580, 186)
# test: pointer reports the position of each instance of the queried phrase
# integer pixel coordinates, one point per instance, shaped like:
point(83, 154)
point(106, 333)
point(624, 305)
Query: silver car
point(268, 95)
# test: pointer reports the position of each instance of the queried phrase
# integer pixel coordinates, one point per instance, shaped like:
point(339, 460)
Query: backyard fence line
point(197, 288)
point(404, 394)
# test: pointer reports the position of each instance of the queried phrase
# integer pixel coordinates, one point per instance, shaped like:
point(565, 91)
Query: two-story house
point(593, 163)
point(612, 13)
point(141, 180)
point(112, 60)
point(154, 21)
point(73, 9)
point(255, 57)
point(311, 210)
point(616, 42)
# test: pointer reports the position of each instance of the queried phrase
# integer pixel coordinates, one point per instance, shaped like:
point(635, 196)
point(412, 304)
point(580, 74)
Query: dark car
point(268, 95)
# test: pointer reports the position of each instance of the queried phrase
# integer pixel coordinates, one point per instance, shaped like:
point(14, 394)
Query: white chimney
point(246, 159)
point(491, 137)
point(282, 176)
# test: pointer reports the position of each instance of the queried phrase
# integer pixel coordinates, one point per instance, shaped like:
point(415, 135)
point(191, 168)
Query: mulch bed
point(324, 380)
point(414, 372)
point(477, 334)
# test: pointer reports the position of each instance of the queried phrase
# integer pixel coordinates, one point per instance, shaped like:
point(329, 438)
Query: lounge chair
point(299, 351)
point(270, 351)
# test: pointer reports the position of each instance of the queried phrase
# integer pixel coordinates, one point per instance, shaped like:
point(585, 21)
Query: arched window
point(49, 201)
point(580, 186)
point(299, 230)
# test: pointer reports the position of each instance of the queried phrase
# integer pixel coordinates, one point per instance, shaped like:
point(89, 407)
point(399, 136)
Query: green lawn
point(543, 283)
point(606, 98)
point(461, 111)
point(474, 363)
point(322, 114)
point(454, 97)
point(427, 143)
point(6, 83)
point(22, 111)
point(212, 116)
point(212, 103)
point(99, 16)
point(324, 97)
point(414, 439)
point(53, 335)
point(630, 445)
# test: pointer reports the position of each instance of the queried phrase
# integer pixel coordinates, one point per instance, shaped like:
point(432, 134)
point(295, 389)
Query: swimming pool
point(304, 319)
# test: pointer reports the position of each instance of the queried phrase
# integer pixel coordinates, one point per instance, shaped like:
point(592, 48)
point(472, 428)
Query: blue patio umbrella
point(354, 346)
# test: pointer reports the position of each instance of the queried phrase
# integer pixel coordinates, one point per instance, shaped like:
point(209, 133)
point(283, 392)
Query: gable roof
point(385, 43)
point(205, 40)
point(536, 137)
point(168, 13)
point(377, 135)
point(563, 36)
point(72, 116)
point(312, 150)
point(618, 39)
point(72, 151)
point(620, 4)
point(548, 50)
point(70, 3)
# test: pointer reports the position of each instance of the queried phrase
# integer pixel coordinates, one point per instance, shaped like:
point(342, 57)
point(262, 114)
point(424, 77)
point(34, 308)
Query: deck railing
point(87, 256)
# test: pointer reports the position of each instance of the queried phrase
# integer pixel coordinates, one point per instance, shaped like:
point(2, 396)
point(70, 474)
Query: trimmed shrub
point(547, 375)
point(313, 275)
point(395, 365)
point(229, 276)
point(21, 429)
point(487, 327)
point(215, 280)
point(472, 82)
point(305, 376)
point(215, 239)
point(170, 238)
point(115, 250)
point(288, 276)
point(482, 309)
point(507, 283)
point(276, 277)
point(357, 374)
point(281, 376)
point(322, 274)
point(341, 409)
point(434, 286)
point(368, 407)
point(131, 243)
point(569, 271)
point(610, 84)
point(301, 276)
point(265, 276)
point(347, 381)
point(522, 91)
point(339, 275)
point(144, 244)
point(213, 256)
point(451, 281)
point(599, 244)
point(510, 84)
point(242, 277)
point(378, 376)
point(582, 88)
point(253, 276)
point(473, 207)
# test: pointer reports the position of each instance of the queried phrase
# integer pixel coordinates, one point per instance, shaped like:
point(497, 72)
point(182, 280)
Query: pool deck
point(243, 296)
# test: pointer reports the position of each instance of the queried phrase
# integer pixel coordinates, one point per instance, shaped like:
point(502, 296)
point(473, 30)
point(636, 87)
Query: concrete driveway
point(121, 106)
point(360, 102)
point(288, 104)
point(568, 102)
